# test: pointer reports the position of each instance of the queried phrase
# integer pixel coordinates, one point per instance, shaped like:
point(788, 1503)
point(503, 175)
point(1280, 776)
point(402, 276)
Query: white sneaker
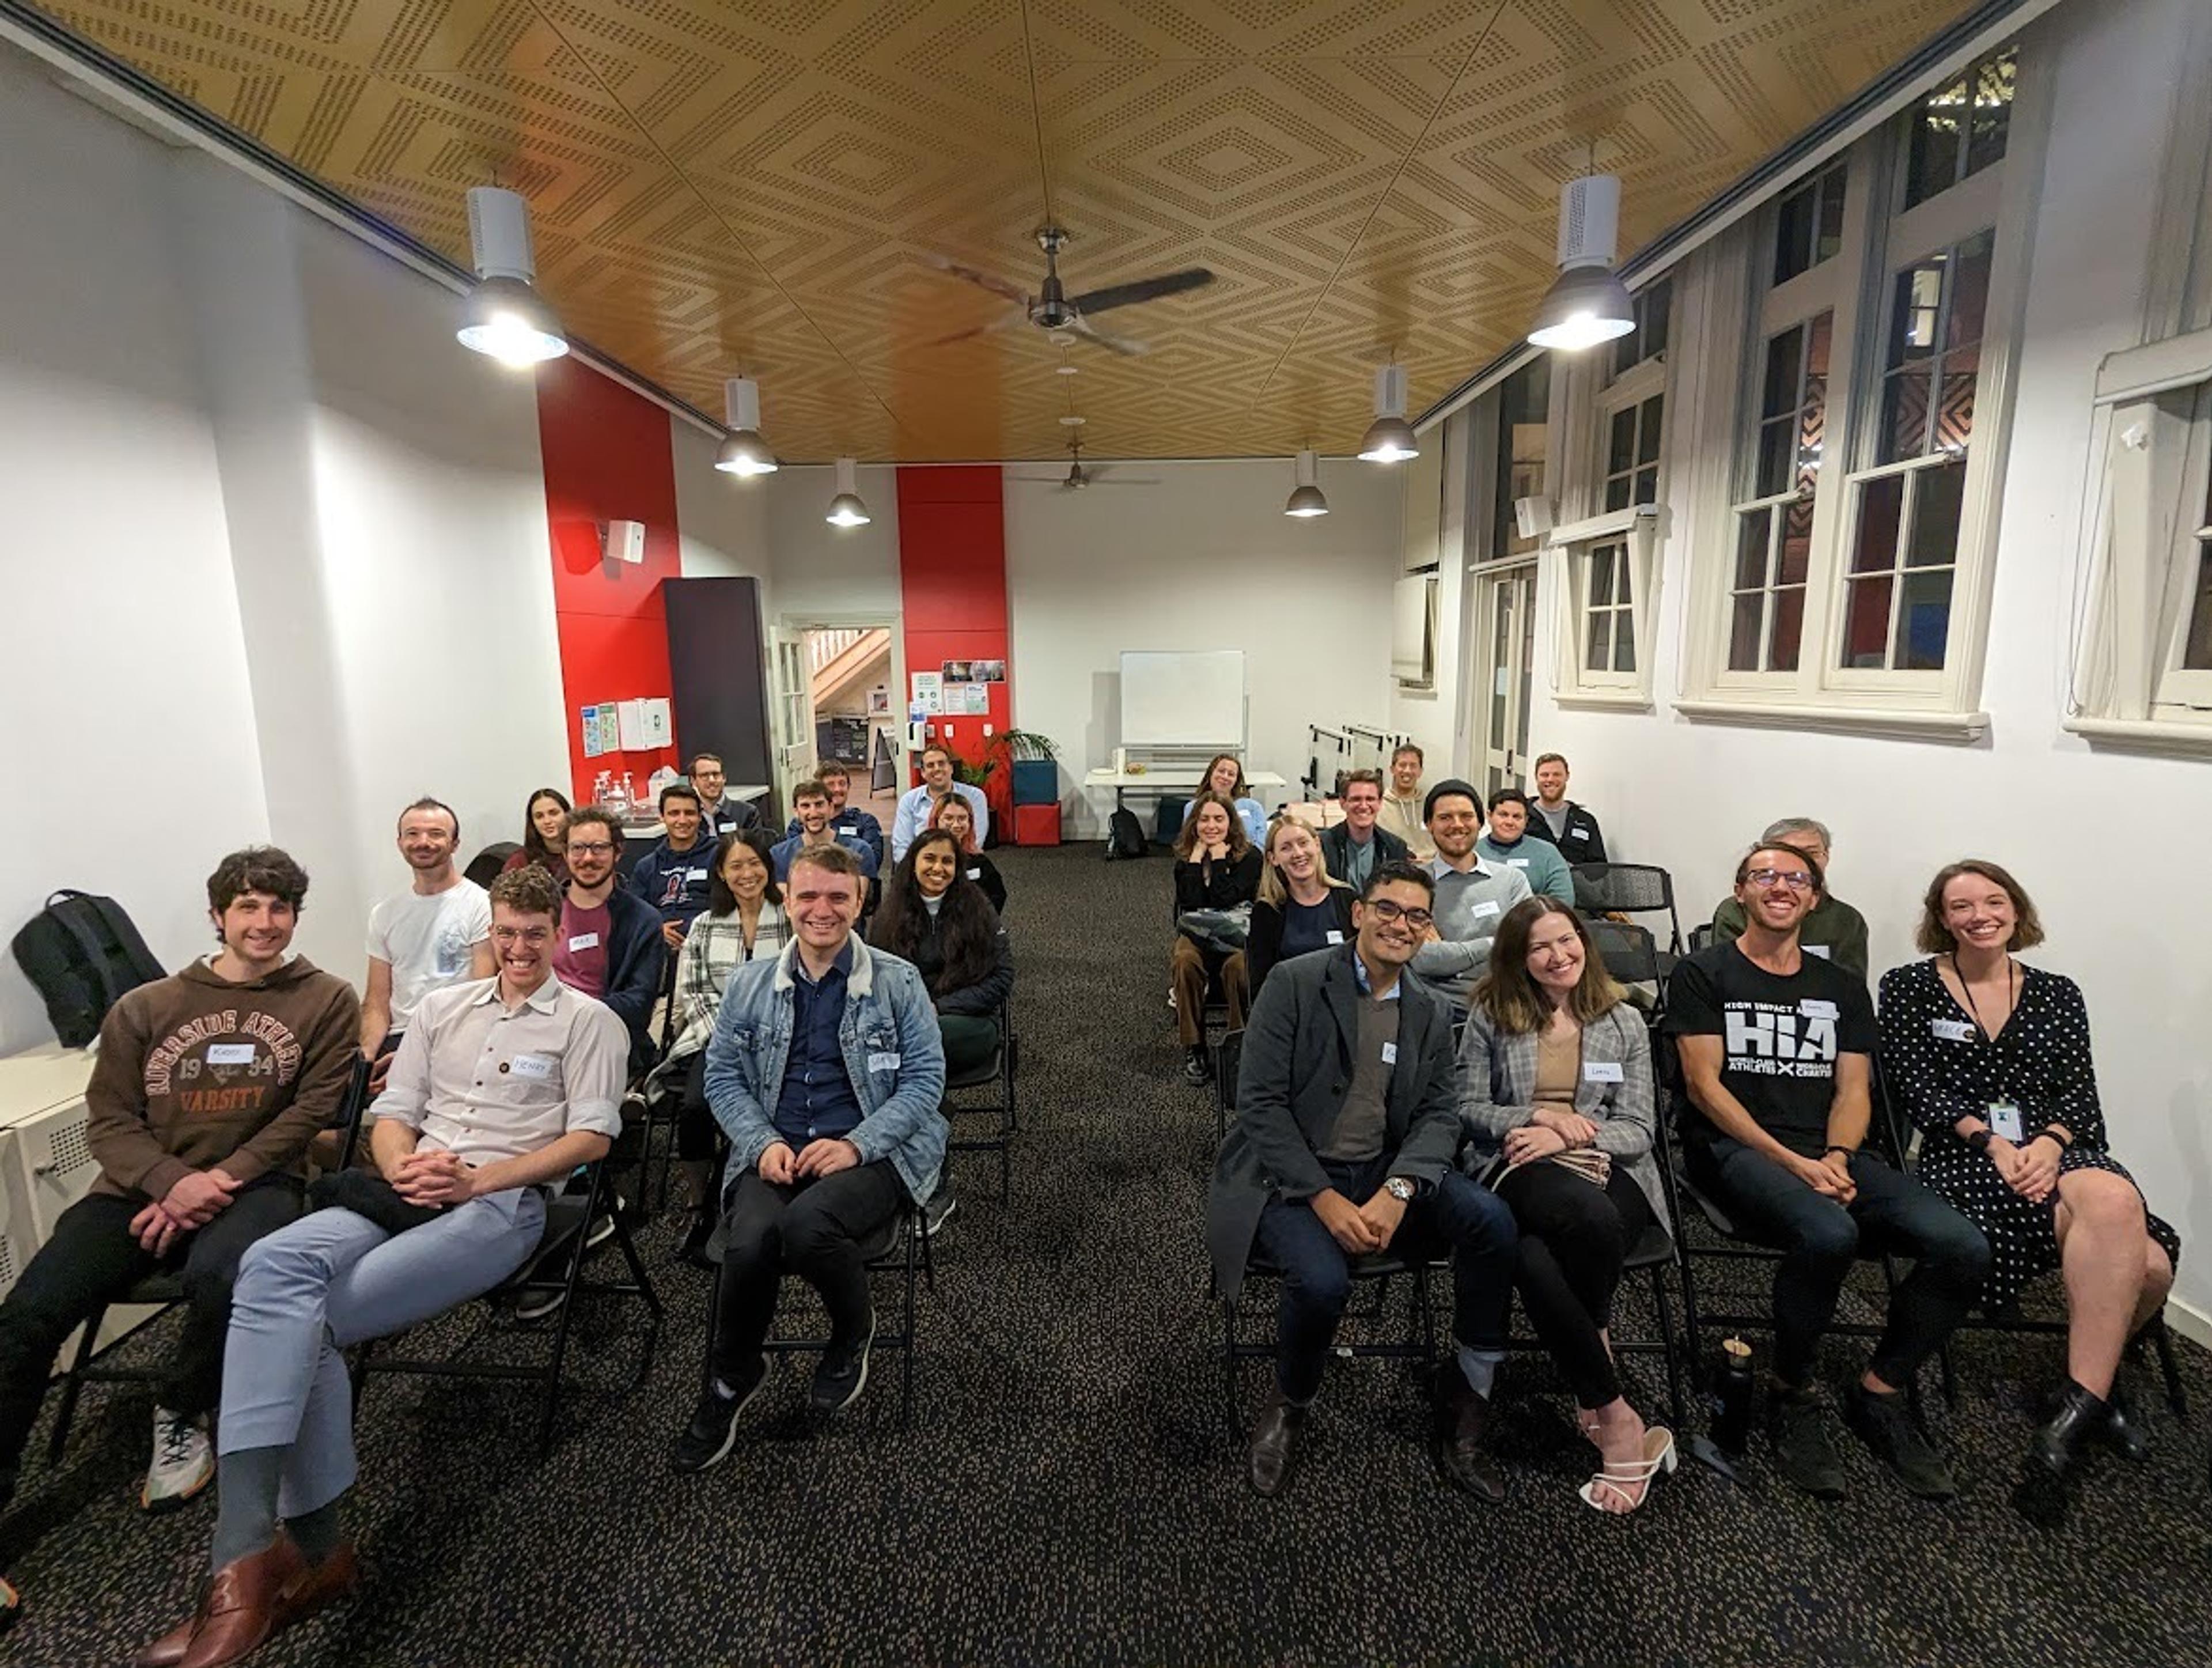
point(183, 1463)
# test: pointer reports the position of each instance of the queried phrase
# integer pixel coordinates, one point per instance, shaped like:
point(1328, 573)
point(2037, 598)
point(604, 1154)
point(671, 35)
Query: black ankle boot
point(694, 1248)
point(2120, 1431)
point(2058, 1439)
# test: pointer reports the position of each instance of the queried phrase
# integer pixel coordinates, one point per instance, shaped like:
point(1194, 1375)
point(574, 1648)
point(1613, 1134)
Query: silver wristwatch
point(1400, 1188)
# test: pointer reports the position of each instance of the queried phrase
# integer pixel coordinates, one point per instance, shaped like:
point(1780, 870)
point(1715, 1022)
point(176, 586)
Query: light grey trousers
point(332, 1280)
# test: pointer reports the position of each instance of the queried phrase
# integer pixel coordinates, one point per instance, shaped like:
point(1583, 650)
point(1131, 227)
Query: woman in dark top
point(1301, 906)
point(544, 824)
point(1216, 868)
point(1990, 1060)
point(955, 816)
point(934, 915)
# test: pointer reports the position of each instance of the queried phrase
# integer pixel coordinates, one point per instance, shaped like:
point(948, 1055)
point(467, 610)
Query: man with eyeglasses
point(609, 945)
point(1834, 931)
point(1355, 847)
point(503, 1086)
point(1342, 1148)
point(1472, 896)
point(1775, 1048)
point(719, 815)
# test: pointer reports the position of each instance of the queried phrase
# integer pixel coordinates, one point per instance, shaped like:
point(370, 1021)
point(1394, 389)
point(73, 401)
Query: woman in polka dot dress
point(1990, 1059)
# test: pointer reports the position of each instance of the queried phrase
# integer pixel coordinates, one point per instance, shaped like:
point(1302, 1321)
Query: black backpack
point(82, 953)
point(1125, 836)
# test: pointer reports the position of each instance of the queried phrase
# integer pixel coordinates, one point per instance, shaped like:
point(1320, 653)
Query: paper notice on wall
point(929, 691)
point(592, 748)
point(969, 700)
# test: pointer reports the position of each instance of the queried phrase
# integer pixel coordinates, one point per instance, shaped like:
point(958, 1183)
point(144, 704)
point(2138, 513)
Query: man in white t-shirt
point(436, 934)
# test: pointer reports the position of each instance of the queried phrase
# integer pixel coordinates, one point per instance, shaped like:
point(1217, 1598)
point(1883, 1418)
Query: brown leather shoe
point(1274, 1448)
point(239, 1609)
point(1464, 1423)
point(317, 1584)
point(169, 1649)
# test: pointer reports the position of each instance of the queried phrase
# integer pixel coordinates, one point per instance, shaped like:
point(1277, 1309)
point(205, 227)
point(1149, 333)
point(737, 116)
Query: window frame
point(1569, 552)
point(1879, 240)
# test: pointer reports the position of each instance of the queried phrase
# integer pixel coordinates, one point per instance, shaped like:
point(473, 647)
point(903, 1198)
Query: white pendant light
point(1306, 499)
point(504, 317)
point(1389, 438)
point(846, 509)
point(744, 452)
point(1586, 303)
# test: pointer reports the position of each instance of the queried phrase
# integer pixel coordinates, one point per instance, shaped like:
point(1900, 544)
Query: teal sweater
point(1539, 861)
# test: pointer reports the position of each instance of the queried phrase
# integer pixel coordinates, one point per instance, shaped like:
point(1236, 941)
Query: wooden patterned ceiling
point(722, 187)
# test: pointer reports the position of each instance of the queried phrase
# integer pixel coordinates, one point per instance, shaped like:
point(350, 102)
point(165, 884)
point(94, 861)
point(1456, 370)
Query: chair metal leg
point(2162, 1341)
point(1949, 1379)
point(1667, 1344)
point(73, 1385)
point(906, 1362)
point(1228, 1367)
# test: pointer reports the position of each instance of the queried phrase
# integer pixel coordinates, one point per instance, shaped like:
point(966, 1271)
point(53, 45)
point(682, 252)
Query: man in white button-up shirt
point(502, 1086)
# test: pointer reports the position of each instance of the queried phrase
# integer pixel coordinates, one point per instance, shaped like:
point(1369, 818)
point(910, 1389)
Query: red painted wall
point(607, 458)
point(952, 579)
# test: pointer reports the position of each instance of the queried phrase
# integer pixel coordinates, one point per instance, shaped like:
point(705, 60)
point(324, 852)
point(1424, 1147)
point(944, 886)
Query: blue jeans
point(1818, 1239)
point(1454, 1216)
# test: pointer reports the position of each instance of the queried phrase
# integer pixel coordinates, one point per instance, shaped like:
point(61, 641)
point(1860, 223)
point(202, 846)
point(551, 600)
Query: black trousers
point(1573, 1237)
point(697, 1135)
point(816, 1230)
point(92, 1260)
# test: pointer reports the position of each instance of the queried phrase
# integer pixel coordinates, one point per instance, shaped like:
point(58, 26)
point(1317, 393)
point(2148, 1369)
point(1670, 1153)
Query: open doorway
point(837, 687)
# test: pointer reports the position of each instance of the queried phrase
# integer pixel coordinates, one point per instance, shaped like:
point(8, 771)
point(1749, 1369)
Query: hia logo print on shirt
point(1776, 1039)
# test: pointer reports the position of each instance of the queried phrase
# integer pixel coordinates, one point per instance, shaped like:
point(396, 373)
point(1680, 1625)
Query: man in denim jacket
point(826, 1070)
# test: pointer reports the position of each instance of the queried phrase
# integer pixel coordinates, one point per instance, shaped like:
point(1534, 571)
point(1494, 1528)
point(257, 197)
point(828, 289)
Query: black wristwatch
point(2050, 1134)
point(1979, 1140)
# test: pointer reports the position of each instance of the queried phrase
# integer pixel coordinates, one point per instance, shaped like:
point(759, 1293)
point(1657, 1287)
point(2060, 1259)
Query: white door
point(791, 684)
point(1506, 631)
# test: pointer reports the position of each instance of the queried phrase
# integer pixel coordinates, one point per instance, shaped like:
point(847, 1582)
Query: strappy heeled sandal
point(1659, 1456)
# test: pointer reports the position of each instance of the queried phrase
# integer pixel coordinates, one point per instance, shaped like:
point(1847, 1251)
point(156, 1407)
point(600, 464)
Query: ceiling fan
point(1080, 476)
point(1053, 310)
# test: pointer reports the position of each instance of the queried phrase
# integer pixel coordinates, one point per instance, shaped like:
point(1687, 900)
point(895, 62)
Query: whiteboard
point(1182, 697)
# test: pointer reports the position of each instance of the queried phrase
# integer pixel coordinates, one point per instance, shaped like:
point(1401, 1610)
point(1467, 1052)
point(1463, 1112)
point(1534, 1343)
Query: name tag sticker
point(974, 875)
point(1816, 1010)
point(1389, 1053)
point(2004, 1121)
point(848, 829)
point(230, 1054)
point(1518, 862)
point(882, 1062)
point(1576, 832)
point(536, 1067)
point(583, 942)
point(1334, 936)
point(1951, 1031)
point(1487, 907)
point(1820, 950)
point(1602, 1071)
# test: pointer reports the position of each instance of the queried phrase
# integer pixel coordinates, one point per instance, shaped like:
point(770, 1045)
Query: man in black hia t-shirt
point(1775, 1045)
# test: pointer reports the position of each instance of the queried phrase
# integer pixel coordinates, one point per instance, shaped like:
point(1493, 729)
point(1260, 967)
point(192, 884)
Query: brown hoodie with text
point(196, 1072)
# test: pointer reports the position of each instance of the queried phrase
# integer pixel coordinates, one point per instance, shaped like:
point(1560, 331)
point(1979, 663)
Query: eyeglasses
point(1419, 919)
point(589, 848)
point(533, 936)
point(1796, 878)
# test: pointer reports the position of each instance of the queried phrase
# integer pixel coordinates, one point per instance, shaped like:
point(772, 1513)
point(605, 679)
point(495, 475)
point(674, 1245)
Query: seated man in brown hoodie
point(207, 1088)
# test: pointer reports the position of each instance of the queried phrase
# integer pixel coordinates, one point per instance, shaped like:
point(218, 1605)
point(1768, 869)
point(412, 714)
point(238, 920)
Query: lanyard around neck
point(2012, 993)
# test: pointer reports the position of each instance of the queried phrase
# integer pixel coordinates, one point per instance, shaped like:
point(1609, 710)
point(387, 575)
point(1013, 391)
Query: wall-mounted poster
point(592, 746)
point(929, 691)
point(986, 672)
point(956, 672)
point(968, 700)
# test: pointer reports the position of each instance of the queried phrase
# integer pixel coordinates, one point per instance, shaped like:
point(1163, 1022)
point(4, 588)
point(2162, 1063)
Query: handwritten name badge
point(230, 1054)
point(583, 942)
point(1951, 1031)
point(1816, 1010)
point(536, 1067)
point(1602, 1071)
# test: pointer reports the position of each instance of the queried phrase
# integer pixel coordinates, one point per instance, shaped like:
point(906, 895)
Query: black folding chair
point(1418, 1344)
point(901, 1247)
point(1656, 1253)
point(1228, 1058)
point(1631, 889)
point(556, 1266)
point(1631, 955)
point(998, 1069)
point(164, 1289)
point(2011, 1318)
point(1737, 1245)
point(485, 866)
point(1703, 937)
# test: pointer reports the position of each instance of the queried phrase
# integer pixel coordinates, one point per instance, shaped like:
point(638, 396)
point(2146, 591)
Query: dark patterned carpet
point(1067, 1494)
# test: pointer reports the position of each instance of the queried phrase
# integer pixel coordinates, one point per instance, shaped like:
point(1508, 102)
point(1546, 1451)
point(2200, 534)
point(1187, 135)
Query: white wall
point(305, 573)
point(107, 467)
point(2130, 925)
point(723, 519)
point(1203, 558)
point(825, 572)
